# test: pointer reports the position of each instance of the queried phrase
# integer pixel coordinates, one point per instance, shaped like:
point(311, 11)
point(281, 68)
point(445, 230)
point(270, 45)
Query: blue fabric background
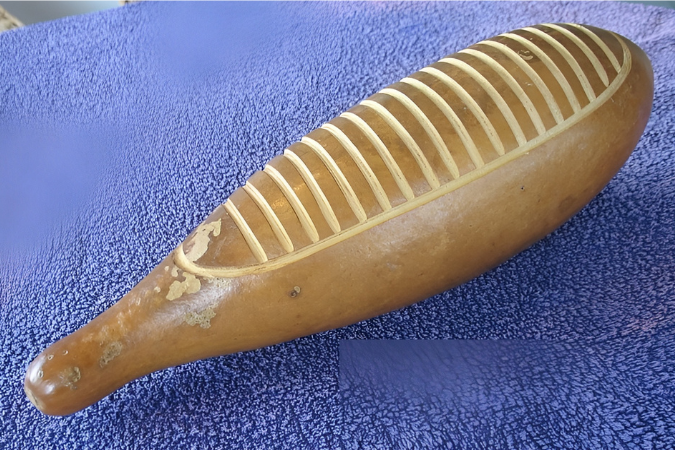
point(120, 131)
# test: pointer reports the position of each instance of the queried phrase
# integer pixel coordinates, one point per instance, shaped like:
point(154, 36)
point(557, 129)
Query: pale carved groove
point(429, 128)
point(384, 153)
point(315, 189)
point(272, 219)
point(246, 231)
point(534, 76)
point(361, 163)
point(514, 85)
point(448, 112)
point(340, 179)
point(601, 44)
point(296, 204)
point(597, 65)
point(551, 66)
point(485, 123)
point(585, 84)
point(494, 95)
point(407, 139)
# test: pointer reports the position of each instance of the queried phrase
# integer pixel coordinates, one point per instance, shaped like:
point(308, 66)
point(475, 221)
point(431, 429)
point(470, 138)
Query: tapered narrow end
point(165, 320)
point(52, 381)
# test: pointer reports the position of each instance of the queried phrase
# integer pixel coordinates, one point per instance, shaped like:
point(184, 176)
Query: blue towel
point(121, 130)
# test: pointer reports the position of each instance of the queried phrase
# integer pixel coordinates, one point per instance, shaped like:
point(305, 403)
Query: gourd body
point(423, 186)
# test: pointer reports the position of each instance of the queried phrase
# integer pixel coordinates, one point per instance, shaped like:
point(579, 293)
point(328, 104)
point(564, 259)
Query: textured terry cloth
point(123, 129)
point(462, 391)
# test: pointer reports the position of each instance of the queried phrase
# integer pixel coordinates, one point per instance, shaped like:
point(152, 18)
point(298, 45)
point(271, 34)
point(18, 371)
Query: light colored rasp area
point(534, 76)
point(384, 153)
point(429, 128)
point(597, 65)
point(609, 53)
point(407, 139)
point(477, 111)
point(571, 60)
point(296, 204)
point(246, 231)
point(361, 163)
point(182, 261)
point(452, 117)
point(340, 179)
point(494, 95)
point(272, 219)
point(315, 189)
point(514, 85)
point(551, 66)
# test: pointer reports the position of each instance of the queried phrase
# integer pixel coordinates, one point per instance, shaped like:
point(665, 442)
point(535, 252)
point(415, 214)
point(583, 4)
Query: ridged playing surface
point(411, 142)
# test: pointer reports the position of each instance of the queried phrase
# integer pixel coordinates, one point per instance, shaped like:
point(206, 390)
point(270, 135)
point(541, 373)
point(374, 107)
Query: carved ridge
point(185, 263)
point(407, 139)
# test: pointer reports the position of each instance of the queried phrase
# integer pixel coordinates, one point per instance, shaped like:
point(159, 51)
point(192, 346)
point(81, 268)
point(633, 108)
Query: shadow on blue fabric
point(459, 393)
point(148, 116)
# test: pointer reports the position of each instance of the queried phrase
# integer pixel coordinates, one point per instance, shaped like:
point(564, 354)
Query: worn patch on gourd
point(189, 285)
point(110, 352)
point(202, 318)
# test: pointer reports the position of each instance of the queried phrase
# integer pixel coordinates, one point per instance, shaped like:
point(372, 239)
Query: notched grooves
point(429, 128)
point(605, 48)
point(362, 164)
point(456, 123)
point(551, 66)
point(597, 65)
point(534, 76)
point(272, 219)
point(246, 231)
point(296, 204)
point(513, 84)
point(384, 153)
point(485, 123)
point(315, 189)
point(495, 63)
point(345, 187)
point(402, 133)
point(571, 60)
point(494, 95)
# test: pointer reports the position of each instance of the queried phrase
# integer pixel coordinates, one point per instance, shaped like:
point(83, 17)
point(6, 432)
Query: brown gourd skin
point(186, 310)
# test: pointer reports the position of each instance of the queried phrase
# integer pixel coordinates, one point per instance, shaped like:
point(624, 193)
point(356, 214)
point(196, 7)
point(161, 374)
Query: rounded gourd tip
point(49, 382)
point(33, 385)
